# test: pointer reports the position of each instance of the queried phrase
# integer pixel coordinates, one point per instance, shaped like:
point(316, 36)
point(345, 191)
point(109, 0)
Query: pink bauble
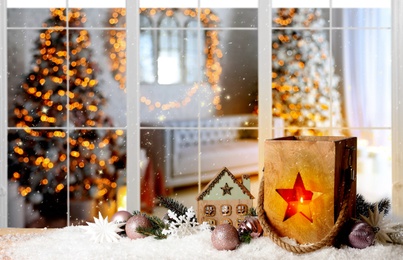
point(225, 237)
point(252, 226)
point(133, 223)
point(361, 236)
point(121, 216)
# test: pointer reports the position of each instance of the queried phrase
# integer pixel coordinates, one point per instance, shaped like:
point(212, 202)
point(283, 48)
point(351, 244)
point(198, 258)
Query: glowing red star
point(298, 199)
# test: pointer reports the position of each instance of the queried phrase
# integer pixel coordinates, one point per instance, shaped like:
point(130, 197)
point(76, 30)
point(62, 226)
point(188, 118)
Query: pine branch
point(156, 222)
point(252, 212)
point(157, 225)
point(138, 213)
point(383, 205)
point(173, 205)
point(245, 237)
point(151, 231)
point(363, 206)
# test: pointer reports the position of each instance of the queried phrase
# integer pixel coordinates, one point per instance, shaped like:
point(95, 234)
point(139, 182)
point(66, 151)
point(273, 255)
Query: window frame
point(265, 119)
point(397, 109)
point(3, 114)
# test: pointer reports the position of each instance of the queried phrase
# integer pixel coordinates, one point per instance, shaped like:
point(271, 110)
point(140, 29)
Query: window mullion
point(70, 127)
point(264, 75)
point(133, 109)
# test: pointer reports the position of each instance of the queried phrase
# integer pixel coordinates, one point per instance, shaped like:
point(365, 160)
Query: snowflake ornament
point(102, 230)
point(204, 226)
point(183, 225)
point(380, 226)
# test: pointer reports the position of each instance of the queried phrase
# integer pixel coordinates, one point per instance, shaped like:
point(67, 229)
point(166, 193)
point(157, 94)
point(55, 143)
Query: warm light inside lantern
point(299, 200)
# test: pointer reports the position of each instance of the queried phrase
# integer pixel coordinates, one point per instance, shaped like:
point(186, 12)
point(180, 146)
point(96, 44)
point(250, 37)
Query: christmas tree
point(61, 90)
point(304, 94)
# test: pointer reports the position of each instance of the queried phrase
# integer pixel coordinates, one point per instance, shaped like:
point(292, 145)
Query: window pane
point(37, 4)
point(69, 86)
point(374, 163)
point(169, 55)
point(147, 51)
point(173, 154)
point(115, 50)
point(97, 164)
point(24, 17)
point(105, 17)
point(305, 90)
point(37, 169)
point(156, 169)
point(86, 97)
point(362, 17)
point(238, 80)
point(229, 4)
point(366, 70)
point(37, 88)
point(109, 69)
point(302, 4)
point(235, 148)
point(192, 45)
point(234, 17)
point(361, 5)
point(301, 17)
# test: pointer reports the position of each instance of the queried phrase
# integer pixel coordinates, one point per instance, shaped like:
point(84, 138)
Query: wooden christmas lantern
point(308, 189)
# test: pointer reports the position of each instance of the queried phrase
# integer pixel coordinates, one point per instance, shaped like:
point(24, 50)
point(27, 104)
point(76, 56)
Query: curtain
point(367, 88)
point(367, 72)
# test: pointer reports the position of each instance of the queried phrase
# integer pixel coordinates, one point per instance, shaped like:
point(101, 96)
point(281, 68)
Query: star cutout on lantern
point(299, 199)
point(226, 189)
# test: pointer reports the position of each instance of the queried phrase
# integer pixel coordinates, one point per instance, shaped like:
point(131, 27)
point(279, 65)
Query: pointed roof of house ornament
point(224, 186)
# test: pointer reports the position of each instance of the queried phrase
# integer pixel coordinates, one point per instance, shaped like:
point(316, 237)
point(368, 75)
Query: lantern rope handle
point(304, 248)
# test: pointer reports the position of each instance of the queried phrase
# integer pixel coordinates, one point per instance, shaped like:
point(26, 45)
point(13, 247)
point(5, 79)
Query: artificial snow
point(74, 243)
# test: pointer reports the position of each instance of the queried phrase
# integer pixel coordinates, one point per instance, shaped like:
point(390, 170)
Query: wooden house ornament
point(225, 200)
